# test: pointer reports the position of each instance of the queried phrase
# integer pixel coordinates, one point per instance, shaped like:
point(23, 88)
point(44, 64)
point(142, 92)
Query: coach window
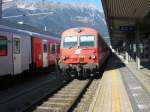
point(87, 41)
point(17, 46)
point(45, 48)
point(52, 48)
point(3, 46)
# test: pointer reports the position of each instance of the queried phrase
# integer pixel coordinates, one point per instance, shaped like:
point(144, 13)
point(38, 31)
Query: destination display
point(127, 28)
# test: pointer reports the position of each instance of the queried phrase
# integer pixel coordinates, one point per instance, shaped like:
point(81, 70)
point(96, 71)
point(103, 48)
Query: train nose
point(74, 58)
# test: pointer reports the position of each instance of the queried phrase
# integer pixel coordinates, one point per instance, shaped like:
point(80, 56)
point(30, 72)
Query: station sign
point(127, 28)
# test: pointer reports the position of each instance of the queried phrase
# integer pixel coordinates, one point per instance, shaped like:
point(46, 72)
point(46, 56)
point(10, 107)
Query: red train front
point(82, 51)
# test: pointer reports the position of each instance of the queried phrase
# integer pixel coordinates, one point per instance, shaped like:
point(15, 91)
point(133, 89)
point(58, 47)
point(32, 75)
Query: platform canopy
point(123, 15)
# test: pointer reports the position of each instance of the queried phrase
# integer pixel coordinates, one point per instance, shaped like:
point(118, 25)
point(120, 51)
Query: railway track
point(25, 98)
point(65, 99)
point(76, 96)
point(67, 96)
point(86, 102)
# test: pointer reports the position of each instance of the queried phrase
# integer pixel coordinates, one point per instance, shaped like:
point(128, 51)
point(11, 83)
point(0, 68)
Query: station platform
point(123, 88)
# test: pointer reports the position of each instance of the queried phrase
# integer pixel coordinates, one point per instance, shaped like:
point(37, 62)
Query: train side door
point(52, 52)
point(17, 54)
point(45, 53)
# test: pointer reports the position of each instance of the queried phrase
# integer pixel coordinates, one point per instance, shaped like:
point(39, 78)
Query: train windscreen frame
point(70, 42)
point(87, 41)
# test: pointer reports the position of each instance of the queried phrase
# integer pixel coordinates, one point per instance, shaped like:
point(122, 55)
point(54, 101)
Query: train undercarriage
point(80, 70)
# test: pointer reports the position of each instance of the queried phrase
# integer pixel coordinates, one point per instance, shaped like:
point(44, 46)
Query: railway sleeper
point(60, 99)
point(57, 103)
point(48, 109)
point(74, 87)
point(85, 100)
point(53, 104)
point(54, 108)
point(81, 109)
point(65, 95)
point(68, 92)
point(78, 87)
point(58, 96)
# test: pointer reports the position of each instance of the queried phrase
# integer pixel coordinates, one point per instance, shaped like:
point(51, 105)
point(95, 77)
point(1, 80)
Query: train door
point(45, 53)
point(52, 53)
point(17, 54)
point(57, 49)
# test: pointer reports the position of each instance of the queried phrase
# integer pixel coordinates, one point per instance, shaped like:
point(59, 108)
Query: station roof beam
point(122, 16)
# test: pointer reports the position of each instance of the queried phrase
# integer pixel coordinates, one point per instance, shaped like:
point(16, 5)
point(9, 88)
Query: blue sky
point(97, 3)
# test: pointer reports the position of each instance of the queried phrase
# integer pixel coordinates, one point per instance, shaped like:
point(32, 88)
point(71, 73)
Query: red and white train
point(24, 50)
point(82, 52)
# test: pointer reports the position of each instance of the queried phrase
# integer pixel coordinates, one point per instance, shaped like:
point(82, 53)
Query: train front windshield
point(87, 41)
point(70, 42)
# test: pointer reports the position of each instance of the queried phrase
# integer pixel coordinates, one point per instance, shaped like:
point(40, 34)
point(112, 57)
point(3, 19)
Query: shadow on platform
point(145, 65)
point(114, 63)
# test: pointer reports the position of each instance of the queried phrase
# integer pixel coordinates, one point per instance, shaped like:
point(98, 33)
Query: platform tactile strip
point(139, 96)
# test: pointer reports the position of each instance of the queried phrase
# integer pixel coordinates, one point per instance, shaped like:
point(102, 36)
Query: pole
point(126, 44)
point(138, 49)
point(0, 9)
point(45, 28)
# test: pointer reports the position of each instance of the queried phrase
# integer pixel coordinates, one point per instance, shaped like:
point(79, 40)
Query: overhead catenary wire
point(25, 15)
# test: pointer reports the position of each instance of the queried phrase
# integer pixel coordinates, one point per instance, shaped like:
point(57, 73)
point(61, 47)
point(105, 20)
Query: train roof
point(79, 30)
point(8, 29)
point(90, 28)
point(25, 29)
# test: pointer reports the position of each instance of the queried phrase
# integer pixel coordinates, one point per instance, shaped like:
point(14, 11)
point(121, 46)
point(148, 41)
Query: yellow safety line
point(115, 92)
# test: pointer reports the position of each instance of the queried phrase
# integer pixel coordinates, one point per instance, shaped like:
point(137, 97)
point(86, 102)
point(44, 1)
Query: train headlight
point(93, 56)
point(64, 57)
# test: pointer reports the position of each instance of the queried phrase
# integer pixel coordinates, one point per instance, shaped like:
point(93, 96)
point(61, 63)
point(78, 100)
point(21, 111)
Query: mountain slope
point(61, 16)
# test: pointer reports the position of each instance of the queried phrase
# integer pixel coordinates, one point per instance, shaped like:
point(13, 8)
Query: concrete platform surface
point(123, 89)
point(112, 95)
point(143, 75)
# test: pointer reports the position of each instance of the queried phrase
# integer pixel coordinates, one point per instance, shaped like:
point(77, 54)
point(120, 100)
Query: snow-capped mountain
point(55, 17)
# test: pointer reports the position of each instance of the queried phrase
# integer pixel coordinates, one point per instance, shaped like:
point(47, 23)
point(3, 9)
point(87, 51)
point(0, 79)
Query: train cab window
point(16, 46)
point(52, 48)
point(87, 41)
point(3, 46)
point(70, 42)
point(45, 49)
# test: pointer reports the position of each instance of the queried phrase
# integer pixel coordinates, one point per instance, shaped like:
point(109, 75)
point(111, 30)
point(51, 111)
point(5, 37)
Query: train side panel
point(6, 56)
point(103, 50)
point(37, 52)
point(19, 51)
